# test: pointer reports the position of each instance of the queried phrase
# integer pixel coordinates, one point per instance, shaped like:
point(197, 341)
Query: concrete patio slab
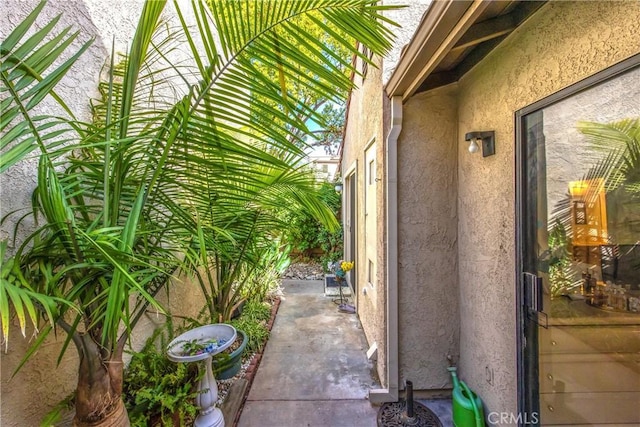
point(314, 371)
point(329, 413)
point(440, 407)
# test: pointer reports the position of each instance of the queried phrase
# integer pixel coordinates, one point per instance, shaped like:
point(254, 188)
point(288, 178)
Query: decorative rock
point(304, 271)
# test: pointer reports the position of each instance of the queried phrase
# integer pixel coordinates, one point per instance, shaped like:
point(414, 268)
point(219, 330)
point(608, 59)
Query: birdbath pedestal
point(200, 345)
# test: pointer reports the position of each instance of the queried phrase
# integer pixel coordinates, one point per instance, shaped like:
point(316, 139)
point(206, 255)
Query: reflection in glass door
point(580, 259)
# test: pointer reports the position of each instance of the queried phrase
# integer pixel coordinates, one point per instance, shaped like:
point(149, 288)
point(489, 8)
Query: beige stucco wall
point(368, 119)
point(427, 229)
point(365, 123)
point(40, 384)
point(27, 397)
point(561, 44)
point(408, 14)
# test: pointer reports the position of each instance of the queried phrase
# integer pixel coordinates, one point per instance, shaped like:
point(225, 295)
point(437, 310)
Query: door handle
point(533, 299)
point(533, 292)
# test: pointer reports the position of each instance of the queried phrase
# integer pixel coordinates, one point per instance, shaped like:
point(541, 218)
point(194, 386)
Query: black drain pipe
point(409, 397)
point(407, 413)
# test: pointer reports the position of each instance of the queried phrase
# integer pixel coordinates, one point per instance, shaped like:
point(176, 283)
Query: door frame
point(350, 204)
point(370, 196)
point(527, 344)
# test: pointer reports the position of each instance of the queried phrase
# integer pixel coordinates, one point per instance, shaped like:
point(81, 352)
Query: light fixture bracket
point(488, 139)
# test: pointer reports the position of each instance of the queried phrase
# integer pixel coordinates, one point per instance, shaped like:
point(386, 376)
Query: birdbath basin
point(200, 345)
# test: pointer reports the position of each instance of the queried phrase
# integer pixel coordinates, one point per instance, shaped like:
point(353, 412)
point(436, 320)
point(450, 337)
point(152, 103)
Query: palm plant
point(620, 142)
point(619, 170)
point(124, 200)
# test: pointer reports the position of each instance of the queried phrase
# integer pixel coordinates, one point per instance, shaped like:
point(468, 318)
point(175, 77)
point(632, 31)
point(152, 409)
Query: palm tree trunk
point(99, 392)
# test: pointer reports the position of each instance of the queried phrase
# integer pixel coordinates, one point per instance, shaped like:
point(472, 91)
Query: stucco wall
point(409, 15)
point(364, 124)
point(367, 119)
point(563, 43)
point(427, 229)
point(28, 396)
point(40, 384)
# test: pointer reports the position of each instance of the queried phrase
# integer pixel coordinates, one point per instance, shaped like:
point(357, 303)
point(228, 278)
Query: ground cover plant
point(158, 391)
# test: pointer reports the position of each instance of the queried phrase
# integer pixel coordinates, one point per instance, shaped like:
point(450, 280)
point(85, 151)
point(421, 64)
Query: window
point(365, 66)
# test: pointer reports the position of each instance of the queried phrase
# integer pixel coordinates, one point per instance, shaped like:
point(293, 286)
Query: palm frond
point(28, 74)
point(184, 165)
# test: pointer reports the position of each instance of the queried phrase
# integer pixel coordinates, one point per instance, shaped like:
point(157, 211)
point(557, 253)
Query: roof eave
point(444, 23)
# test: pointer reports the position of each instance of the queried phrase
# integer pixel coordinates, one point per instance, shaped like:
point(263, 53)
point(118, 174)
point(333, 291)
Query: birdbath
point(200, 345)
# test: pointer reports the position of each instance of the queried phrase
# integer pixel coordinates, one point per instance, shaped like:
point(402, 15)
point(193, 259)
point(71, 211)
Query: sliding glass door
point(579, 261)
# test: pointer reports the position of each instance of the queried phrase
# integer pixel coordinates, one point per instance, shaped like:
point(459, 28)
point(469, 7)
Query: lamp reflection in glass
point(485, 139)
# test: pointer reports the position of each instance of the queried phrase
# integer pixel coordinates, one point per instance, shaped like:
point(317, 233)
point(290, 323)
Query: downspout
point(390, 394)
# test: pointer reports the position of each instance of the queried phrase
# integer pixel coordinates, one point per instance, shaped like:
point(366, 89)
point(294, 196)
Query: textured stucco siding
point(40, 384)
point(561, 44)
point(427, 235)
point(408, 16)
point(365, 123)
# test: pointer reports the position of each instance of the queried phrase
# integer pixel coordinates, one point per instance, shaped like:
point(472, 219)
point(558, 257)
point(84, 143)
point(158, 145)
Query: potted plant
point(341, 269)
point(227, 365)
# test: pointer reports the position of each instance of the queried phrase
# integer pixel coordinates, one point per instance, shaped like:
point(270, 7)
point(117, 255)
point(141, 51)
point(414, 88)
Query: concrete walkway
point(314, 371)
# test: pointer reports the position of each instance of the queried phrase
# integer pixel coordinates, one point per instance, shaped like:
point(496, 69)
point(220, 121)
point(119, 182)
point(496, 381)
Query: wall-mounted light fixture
point(338, 187)
point(485, 139)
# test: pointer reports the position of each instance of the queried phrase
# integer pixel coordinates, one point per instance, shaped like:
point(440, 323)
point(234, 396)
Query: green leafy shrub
point(253, 322)
point(306, 233)
point(158, 391)
point(264, 278)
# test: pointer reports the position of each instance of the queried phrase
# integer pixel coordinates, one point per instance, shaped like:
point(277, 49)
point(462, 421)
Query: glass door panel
point(581, 238)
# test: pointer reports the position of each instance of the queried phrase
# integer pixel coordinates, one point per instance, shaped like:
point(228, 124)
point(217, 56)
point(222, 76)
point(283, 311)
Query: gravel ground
point(304, 271)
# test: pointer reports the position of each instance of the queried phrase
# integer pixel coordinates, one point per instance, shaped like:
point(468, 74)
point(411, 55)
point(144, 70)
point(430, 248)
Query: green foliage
point(253, 272)
point(119, 213)
point(306, 233)
point(158, 391)
point(54, 416)
point(265, 278)
point(620, 143)
point(253, 322)
point(560, 265)
point(331, 129)
point(196, 179)
point(318, 105)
